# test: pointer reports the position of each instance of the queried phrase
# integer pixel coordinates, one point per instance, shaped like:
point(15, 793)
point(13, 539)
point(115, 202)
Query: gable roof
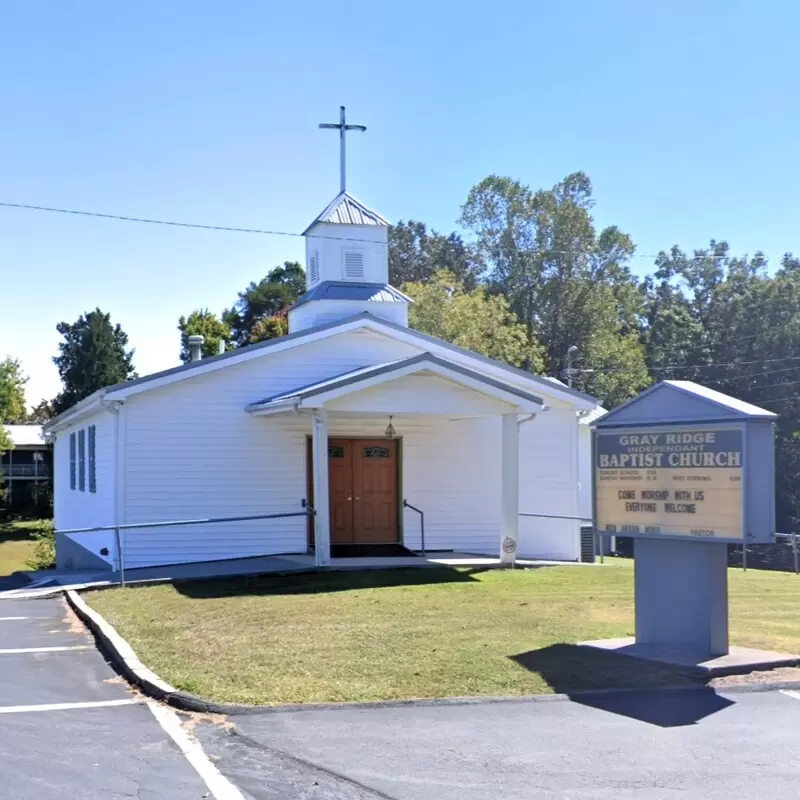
point(681, 401)
point(402, 366)
point(347, 210)
point(353, 290)
point(363, 320)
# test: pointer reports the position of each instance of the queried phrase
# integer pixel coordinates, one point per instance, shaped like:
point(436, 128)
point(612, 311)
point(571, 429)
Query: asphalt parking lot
point(691, 743)
point(69, 727)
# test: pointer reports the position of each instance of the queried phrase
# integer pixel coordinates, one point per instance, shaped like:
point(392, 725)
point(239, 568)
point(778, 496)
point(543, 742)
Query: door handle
point(349, 498)
point(358, 498)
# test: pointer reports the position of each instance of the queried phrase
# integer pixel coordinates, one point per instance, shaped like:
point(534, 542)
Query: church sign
point(671, 481)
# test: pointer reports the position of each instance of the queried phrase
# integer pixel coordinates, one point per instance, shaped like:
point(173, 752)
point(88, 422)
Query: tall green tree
point(472, 319)
point(207, 324)
point(417, 254)
point(272, 295)
point(42, 412)
point(13, 409)
point(541, 251)
point(93, 355)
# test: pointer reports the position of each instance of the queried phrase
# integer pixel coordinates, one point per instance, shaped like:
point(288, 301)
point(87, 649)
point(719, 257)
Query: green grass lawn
point(414, 633)
point(17, 545)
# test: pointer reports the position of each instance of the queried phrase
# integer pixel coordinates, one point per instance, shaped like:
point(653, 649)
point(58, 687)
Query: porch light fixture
point(390, 432)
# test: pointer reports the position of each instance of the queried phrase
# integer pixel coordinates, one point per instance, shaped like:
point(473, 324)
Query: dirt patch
point(779, 675)
point(72, 620)
point(190, 720)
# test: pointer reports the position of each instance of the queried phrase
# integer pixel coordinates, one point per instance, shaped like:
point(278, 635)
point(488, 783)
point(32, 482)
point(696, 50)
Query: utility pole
point(569, 372)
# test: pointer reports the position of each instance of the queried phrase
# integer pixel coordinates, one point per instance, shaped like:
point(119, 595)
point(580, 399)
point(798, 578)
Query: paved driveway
point(68, 726)
point(659, 746)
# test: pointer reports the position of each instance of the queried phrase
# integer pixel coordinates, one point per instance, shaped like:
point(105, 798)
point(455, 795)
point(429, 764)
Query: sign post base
point(682, 596)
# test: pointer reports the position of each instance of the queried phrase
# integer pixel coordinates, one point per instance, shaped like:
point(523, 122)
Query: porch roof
point(316, 394)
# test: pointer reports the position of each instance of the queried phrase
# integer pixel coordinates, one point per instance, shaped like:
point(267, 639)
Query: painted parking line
point(220, 787)
point(15, 651)
point(791, 693)
point(128, 701)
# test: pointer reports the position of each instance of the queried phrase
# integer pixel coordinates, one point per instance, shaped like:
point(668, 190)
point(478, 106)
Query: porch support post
point(319, 451)
point(509, 472)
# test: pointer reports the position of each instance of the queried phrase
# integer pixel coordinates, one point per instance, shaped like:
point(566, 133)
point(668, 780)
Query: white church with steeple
point(354, 439)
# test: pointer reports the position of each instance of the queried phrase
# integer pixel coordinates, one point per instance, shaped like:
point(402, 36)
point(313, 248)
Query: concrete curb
point(124, 659)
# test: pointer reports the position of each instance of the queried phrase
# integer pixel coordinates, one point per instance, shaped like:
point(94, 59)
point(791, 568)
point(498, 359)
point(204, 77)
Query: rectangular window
point(82, 460)
point(72, 461)
point(92, 459)
point(353, 264)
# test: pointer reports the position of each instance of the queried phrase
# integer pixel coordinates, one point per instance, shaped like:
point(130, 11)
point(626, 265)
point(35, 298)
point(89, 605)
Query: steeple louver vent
point(313, 268)
point(353, 264)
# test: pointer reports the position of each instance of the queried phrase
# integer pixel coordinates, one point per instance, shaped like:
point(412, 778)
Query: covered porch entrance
point(463, 440)
point(364, 495)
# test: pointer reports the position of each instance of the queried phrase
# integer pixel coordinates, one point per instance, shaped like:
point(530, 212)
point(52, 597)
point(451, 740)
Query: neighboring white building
point(482, 448)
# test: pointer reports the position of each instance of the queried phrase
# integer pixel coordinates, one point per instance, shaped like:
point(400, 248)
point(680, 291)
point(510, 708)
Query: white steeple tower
point(347, 262)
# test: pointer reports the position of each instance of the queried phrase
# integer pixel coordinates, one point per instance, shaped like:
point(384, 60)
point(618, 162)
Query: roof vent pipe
point(196, 346)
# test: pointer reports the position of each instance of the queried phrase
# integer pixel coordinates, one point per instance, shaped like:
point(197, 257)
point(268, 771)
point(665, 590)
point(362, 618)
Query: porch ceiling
point(316, 395)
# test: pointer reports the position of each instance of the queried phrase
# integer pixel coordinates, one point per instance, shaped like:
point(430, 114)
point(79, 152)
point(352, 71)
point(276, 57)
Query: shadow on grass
point(664, 695)
point(14, 532)
point(321, 582)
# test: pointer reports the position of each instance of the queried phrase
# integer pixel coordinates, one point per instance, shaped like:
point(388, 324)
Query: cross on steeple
point(342, 128)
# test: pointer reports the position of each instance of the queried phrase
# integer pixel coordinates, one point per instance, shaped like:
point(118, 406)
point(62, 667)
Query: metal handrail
point(308, 512)
point(421, 513)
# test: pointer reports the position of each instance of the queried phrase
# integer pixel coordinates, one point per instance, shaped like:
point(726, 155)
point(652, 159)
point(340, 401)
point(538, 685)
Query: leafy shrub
point(44, 554)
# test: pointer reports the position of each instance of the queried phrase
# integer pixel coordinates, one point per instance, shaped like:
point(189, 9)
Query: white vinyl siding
point(193, 451)
point(75, 509)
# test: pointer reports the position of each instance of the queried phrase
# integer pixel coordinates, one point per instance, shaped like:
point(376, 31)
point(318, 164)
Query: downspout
point(113, 407)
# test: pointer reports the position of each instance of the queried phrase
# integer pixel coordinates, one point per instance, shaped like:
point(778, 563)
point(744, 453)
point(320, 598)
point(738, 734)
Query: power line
point(713, 365)
point(267, 232)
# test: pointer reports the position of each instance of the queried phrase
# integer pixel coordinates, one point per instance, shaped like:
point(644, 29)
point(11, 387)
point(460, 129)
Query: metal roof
point(347, 210)
point(721, 399)
point(352, 290)
point(25, 435)
point(685, 402)
point(357, 375)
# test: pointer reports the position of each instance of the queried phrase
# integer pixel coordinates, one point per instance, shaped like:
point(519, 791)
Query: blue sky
point(684, 114)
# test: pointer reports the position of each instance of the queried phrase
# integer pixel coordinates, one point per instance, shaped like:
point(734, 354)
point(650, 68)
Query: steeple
point(347, 262)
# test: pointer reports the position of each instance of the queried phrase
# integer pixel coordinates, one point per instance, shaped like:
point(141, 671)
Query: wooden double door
point(363, 491)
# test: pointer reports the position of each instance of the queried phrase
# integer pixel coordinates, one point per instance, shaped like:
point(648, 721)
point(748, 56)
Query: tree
point(269, 328)
point(204, 323)
point(42, 412)
point(541, 251)
point(273, 294)
point(13, 409)
point(92, 355)
point(416, 255)
point(473, 319)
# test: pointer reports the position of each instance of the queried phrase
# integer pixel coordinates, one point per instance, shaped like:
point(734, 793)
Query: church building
point(353, 415)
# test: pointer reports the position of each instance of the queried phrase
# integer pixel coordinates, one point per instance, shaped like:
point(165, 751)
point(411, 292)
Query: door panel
point(374, 473)
point(340, 471)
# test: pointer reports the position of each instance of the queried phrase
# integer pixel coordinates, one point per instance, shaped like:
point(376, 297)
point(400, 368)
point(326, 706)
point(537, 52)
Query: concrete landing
point(738, 661)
